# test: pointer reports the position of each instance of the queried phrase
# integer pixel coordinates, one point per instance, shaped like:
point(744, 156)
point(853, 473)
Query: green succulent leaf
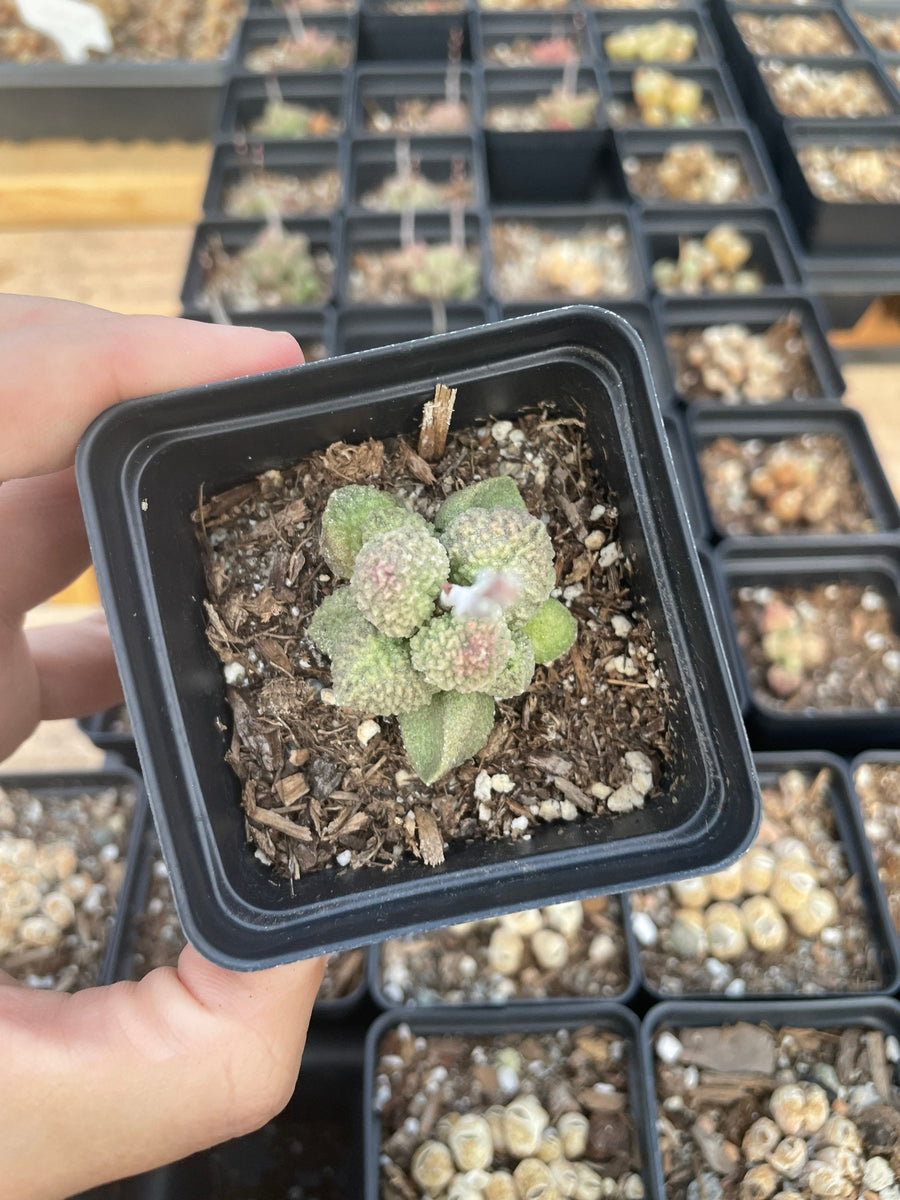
point(552, 631)
point(338, 621)
point(500, 492)
point(375, 674)
point(345, 515)
point(397, 577)
point(518, 672)
point(462, 654)
point(443, 734)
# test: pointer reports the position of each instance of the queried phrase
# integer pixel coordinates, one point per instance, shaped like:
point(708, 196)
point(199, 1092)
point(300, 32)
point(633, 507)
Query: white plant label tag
point(74, 25)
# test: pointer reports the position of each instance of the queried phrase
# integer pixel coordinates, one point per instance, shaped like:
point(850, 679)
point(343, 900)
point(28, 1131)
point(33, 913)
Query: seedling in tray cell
point(733, 365)
point(804, 90)
point(572, 950)
point(278, 269)
point(845, 174)
point(661, 98)
point(303, 48)
point(286, 121)
point(449, 114)
point(805, 484)
point(554, 50)
point(564, 107)
point(520, 5)
point(408, 189)
point(718, 263)
point(824, 646)
point(531, 261)
point(692, 172)
point(795, 35)
point(788, 918)
point(512, 1110)
point(659, 41)
point(259, 192)
point(767, 1108)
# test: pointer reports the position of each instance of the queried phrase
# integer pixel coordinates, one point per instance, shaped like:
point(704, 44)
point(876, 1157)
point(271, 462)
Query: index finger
point(59, 374)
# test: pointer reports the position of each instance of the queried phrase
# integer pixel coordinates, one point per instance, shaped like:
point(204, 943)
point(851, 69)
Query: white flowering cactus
point(438, 621)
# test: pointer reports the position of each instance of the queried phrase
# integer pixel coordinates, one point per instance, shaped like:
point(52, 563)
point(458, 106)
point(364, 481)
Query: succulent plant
point(431, 627)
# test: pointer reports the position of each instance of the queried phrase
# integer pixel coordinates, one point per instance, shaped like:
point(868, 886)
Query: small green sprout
point(438, 621)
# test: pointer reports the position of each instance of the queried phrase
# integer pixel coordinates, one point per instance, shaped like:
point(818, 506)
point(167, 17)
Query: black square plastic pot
point(411, 37)
point(889, 758)
point(786, 563)
point(381, 87)
point(68, 784)
point(887, 120)
point(266, 31)
point(534, 1018)
point(140, 468)
point(303, 160)
point(758, 315)
point(570, 221)
point(235, 235)
point(846, 285)
point(686, 473)
point(642, 319)
point(495, 28)
point(604, 23)
point(546, 166)
point(858, 856)
point(367, 326)
point(314, 331)
point(372, 161)
point(879, 1014)
point(382, 232)
point(245, 98)
point(719, 96)
point(853, 11)
point(772, 246)
point(586, 1004)
point(775, 423)
point(857, 44)
point(824, 226)
point(742, 144)
point(315, 1143)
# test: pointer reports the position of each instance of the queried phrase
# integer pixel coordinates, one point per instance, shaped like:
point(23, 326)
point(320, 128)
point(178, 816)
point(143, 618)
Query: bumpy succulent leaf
point(462, 654)
point(342, 523)
point(443, 734)
point(338, 620)
point(505, 540)
point(380, 520)
point(518, 672)
point(374, 674)
point(499, 492)
point(552, 631)
point(396, 579)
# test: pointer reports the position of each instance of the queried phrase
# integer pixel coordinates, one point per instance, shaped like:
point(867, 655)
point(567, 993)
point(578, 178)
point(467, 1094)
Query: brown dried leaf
point(354, 463)
point(275, 654)
point(431, 845)
point(416, 465)
point(264, 606)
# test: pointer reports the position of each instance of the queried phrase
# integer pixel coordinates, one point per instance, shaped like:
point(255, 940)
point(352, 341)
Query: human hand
point(112, 1081)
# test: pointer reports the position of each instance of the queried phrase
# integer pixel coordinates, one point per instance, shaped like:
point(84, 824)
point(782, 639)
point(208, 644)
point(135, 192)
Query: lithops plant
point(438, 620)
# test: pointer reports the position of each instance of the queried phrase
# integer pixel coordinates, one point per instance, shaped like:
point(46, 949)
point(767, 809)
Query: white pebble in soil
point(644, 928)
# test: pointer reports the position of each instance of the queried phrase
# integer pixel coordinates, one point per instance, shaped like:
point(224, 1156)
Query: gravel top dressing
point(62, 862)
point(324, 785)
point(786, 918)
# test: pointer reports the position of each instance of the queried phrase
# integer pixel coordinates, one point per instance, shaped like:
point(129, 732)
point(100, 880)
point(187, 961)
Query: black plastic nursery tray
point(379, 88)
point(719, 100)
point(772, 246)
point(303, 161)
point(682, 314)
point(315, 331)
point(686, 472)
point(546, 166)
point(235, 235)
point(366, 326)
point(794, 421)
point(140, 469)
point(412, 37)
point(826, 227)
point(879, 1015)
point(742, 145)
point(108, 732)
point(788, 563)
point(538, 1018)
point(857, 853)
point(438, 160)
point(245, 98)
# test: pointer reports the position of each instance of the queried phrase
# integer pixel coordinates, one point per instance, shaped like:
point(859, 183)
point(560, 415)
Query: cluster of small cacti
point(752, 903)
point(438, 619)
point(717, 264)
point(283, 120)
point(277, 268)
point(792, 645)
point(659, 41)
